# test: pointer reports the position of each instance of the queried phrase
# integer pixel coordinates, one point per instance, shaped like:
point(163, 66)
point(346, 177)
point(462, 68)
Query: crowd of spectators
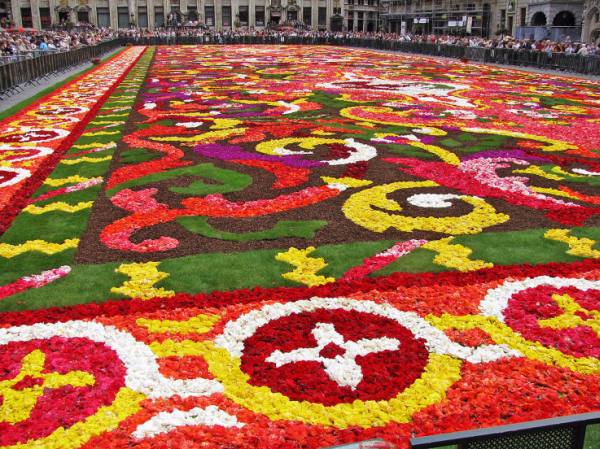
point(27, 42)
point(282, 33)
point(547, 46)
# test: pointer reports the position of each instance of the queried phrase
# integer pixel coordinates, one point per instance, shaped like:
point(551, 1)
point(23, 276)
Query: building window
point(307, 15)
point(523, 17)
point(103, 15)
point(159, 16)
point(26, 17)
point(83, 16)
point(226, 16)
point(209, 16)
point(259, 16)
point(243, 15)
point(3, 15)
point(503, 19)
point(174, 17)
point(142, 17)
point(45, 18)
point(322, 16)
point(192, 14)
point(123, 16)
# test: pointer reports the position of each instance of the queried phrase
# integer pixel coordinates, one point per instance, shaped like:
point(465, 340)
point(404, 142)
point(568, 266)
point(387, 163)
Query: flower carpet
point(296, 247)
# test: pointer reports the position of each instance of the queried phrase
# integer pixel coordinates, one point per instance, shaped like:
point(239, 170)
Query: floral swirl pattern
point(296, 247)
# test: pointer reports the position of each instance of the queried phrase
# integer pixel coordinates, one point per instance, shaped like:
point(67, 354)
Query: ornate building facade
point(577, 20)
point(537, 19)
point(551, 19)
point(591, 21)
point(363, 15)
point(152, 14)
point(459, 17)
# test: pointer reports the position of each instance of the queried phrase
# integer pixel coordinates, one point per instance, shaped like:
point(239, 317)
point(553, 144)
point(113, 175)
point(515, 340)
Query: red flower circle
point(528, 309)
point(385, 373)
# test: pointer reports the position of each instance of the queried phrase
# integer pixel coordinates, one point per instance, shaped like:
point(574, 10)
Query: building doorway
point(538, 19)
point(564, 19)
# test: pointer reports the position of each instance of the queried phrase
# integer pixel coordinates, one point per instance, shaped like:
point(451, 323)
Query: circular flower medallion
point(549, 318)
point(10, 153)
point(52, 383)
point(59, 109)
point(26, 135)
point(334, 356)
point(567, 318)
point(335, 362)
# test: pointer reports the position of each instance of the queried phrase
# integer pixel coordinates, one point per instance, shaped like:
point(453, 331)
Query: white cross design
point(342, 368)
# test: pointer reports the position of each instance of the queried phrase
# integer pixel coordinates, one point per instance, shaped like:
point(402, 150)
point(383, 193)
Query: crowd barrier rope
point(31, 69)
point(589, 65)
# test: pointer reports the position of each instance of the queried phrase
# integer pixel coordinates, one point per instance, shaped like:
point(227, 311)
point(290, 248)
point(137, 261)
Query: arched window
point(538, 19)
point(564, 19)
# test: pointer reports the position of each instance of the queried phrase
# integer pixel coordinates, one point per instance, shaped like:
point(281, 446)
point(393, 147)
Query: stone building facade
point(363, 15)
point(538, 19)
point(440, 16)
point(577, 20)
point(552, 19)
point(591, 21)
point(152, 14)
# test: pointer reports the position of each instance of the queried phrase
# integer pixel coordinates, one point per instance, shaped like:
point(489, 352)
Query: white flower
point(164, 422)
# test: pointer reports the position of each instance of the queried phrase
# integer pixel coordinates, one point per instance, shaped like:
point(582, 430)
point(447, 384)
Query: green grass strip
point(284, 228)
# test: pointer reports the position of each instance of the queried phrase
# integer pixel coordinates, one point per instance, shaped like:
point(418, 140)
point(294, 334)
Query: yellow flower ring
point(441, 371)
point(368, 207)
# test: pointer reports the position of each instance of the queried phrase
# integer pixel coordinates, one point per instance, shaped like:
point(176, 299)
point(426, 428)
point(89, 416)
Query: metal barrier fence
point(17, 75)
point(27, 55)
point(589, 65)
point(564, 432)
